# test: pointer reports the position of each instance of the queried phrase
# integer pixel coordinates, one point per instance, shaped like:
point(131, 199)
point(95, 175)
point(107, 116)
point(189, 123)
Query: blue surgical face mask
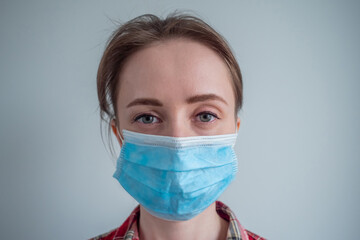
point(176, 178)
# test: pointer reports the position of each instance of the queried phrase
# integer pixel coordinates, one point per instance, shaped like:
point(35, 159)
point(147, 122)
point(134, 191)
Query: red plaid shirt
point(129, 229)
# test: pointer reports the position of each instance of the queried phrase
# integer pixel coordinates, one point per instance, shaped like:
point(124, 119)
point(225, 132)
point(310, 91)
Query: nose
point(178, 127)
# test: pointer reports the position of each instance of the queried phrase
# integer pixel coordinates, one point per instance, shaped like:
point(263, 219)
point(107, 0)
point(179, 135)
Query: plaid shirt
point(129, 229)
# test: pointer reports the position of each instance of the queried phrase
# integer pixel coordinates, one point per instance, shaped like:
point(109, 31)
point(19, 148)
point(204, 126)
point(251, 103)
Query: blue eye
point(146, 119)
point(206, 117)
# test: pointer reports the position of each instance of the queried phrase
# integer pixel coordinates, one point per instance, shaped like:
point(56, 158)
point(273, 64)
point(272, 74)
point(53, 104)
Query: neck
point(207, 225)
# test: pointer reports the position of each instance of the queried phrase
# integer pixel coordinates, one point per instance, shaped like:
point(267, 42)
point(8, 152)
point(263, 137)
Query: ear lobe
point(237, 124)
point(117, 133)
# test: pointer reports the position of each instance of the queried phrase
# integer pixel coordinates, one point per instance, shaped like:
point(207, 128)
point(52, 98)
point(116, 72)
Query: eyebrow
point(193, 99)
point(145, 101)
point(205, 97)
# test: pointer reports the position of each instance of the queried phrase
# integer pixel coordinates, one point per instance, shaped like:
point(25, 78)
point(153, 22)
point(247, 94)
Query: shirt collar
point(235, 230)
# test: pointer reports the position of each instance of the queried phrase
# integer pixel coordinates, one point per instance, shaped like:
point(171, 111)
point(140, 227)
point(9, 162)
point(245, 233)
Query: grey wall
point(298, 144)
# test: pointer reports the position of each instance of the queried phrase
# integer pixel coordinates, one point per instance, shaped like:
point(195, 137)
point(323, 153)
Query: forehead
point(173, 70)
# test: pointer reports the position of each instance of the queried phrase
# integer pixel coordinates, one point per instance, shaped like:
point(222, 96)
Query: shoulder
point(235, 228)
point(117, 233)
point(253, 236)
point(106, 236)
point(128, 228)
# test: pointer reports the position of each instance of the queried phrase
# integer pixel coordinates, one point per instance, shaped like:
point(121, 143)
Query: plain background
point(298, 145)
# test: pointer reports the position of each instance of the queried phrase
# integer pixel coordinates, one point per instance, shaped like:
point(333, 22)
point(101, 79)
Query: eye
point(146, 119)
point(206, 117)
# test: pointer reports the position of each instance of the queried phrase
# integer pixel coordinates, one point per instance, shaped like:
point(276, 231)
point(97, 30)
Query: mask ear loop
point(117, 132)
point(119, 137)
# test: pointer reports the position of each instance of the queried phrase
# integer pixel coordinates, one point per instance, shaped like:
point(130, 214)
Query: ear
point(117, 134)
point(237, 124)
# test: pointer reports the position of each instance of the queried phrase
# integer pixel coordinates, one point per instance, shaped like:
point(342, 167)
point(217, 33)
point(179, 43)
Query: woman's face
point(176, 88)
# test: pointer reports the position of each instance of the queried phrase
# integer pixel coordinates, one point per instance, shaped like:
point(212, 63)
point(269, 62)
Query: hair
point(144, 30)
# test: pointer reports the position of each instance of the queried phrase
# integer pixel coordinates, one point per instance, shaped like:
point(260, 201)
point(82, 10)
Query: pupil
point(148, 119)
point(205, 117)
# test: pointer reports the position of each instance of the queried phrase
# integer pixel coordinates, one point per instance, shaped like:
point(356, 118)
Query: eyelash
point(209, 113)
point(140, 116)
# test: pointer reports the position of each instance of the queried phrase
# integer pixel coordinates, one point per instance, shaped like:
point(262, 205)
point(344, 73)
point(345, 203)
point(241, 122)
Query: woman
point(170, 90)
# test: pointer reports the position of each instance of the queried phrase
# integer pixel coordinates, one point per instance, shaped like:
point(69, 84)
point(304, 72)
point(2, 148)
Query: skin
point(177, 88)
